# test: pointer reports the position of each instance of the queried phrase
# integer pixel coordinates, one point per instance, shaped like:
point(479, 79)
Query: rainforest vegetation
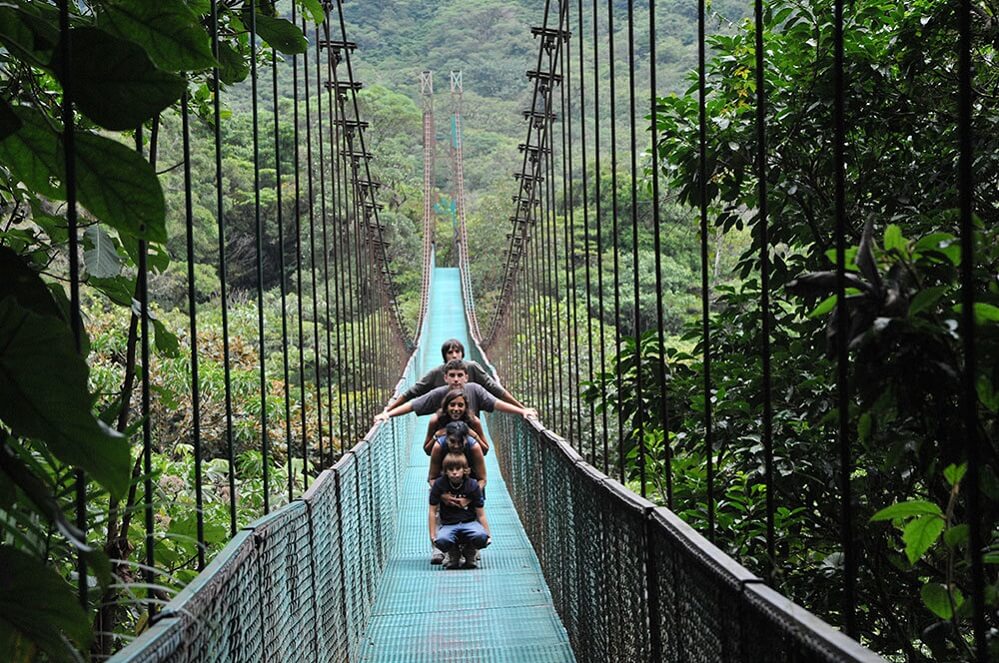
point(69, 405)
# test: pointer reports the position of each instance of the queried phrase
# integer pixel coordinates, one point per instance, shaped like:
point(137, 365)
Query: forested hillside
point(191, 331)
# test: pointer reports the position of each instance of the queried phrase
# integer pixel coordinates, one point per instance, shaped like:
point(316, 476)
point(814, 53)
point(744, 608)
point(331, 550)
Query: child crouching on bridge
point(464, 528)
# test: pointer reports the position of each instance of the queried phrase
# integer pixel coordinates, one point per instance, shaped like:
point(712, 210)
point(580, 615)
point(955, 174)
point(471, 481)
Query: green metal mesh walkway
point(501, 611)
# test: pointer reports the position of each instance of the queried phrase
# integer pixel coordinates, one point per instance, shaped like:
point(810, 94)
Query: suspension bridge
point(581, 566)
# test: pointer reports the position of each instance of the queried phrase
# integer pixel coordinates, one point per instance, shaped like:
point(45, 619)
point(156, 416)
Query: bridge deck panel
point(499, 612)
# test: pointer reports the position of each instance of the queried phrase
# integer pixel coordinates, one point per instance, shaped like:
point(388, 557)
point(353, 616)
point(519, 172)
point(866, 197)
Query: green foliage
point(903, 328)
point(59, 396)
point(37, 609)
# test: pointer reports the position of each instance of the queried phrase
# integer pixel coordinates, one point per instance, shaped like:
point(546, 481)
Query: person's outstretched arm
point(481, 377)
point(431, 380)
point(526, 412)
point(385, 415)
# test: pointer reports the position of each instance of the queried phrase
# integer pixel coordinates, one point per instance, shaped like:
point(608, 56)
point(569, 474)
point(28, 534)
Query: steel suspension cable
point(842, 350)
point(339, 212)
point(340, 193)
point(303, 393)
point(148, 570)
point(702, 170)
point(312, 257)
point(527, 186)
point(72, 222)
point(324, 221)
point(286, 372)
point(192, 305)
point(600, 236)
point(657, 244)
point(565, 93)
point(616, 238)
point(555, 308)
point(369, 192)
point(969, 394)
point(586, 236)
point(638, 425)
point(763, 223)
point(543, 297)
point(259, 235)
point(223, 287)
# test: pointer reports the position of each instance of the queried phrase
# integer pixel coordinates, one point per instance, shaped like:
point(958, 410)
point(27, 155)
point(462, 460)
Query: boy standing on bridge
point(476, 398)
point(464, 528)
point(436, 377)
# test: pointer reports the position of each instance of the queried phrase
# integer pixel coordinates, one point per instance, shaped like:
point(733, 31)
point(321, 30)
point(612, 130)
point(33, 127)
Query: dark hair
point(456, 365)
point(448, 397)
point(457, 434)
point(453, 460)
point(451, 344)
point(457, 428)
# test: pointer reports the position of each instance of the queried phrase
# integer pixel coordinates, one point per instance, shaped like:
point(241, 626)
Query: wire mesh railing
point(296, 583)
point(631, 581)
point(707, 411)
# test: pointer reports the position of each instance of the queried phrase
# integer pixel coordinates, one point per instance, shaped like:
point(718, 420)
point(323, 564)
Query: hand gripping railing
point(633, 582)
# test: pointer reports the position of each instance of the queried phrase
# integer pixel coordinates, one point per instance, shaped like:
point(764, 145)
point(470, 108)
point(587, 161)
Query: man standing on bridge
point(453, 349)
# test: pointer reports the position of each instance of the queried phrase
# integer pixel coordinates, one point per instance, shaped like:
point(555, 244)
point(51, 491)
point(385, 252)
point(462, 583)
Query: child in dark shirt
point(464, 528)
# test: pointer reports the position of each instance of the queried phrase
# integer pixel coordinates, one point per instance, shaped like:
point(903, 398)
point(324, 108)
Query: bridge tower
point(458, 195)
point(429, 152)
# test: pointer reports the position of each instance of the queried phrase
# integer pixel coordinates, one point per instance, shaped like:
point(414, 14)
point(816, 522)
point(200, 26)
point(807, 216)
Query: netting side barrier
point(299, 583)
point(631, 581)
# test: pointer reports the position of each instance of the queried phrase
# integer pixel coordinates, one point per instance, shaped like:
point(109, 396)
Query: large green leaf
point(26, 35)
point(100, 256)
point(280, 34)
point(23, 284)
point(907, 510)
point(895, 241)
point(114, 182)
point(9, 121)
point(40, 606)
point(935, 598)
point(44, 395)
point(168, 30)
point(920, 534)
point(314, 8)
point(33, 154)
point(119, 187)
point(115, 83)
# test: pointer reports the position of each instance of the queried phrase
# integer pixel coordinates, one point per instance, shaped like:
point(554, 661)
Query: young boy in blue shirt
point(464, 528)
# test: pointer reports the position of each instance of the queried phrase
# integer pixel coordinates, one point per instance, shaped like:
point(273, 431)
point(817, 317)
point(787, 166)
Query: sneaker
point(470, 553)
point(452, 559)
point(437, 556)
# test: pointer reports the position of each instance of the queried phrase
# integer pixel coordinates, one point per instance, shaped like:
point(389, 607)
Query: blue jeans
point(449, 536)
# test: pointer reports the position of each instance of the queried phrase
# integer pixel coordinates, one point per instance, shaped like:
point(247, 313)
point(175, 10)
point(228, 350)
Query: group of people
point(454, 394)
